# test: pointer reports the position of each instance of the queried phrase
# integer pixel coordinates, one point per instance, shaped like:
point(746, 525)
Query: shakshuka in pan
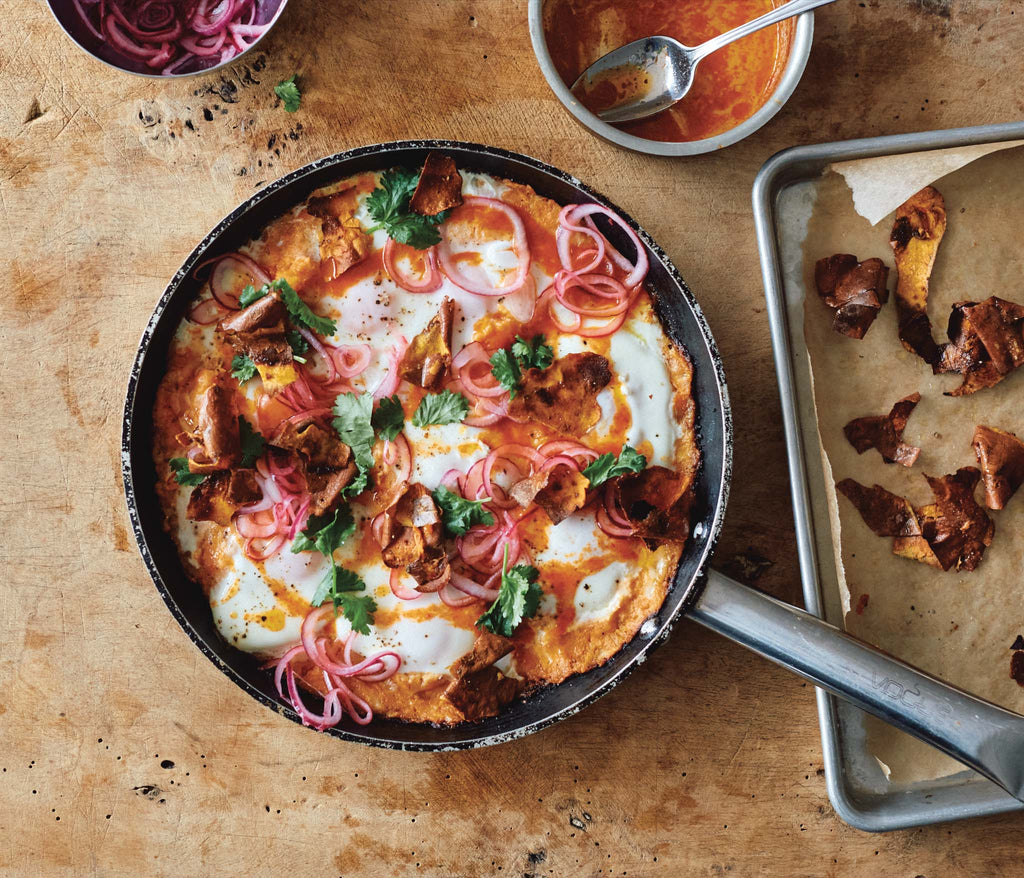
point(425, 445)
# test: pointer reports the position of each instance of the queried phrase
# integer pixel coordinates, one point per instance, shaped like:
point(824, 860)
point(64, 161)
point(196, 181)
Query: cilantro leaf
point(325, 533)
point(505, 369)
point(300, 312)
point(242, 368)
point(388, 418)
point(606, 466)
point(388, 206)
point(353, 422)
point(358, 610)
point(359, 484)
point(179, 466)
point(338, 585)
point(289, 92)
point(250, 294)
point(533, 354)
point(440, 408)
point(518, 599)
point(507, 364)
point(458, 514)
point(296, 342)
point(252, 441)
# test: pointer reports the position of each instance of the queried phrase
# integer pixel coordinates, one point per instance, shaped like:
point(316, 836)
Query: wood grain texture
point(706, 762)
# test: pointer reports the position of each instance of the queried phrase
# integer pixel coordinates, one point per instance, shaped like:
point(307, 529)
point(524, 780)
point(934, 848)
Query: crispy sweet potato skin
point(885, 433)
point(1001, 458)
point(563, 396)
point(439, 187)
point(854, 290)
point(953, 532)
point(916, 234)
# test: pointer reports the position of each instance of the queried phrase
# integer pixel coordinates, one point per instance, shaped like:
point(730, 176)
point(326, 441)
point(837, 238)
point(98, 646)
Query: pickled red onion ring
point(474, 355)
point(428, 282)
point(520, 245)
point(467, 585)
point(399, 589)
point(637, 270)
point(339, 700)
point(392, 378)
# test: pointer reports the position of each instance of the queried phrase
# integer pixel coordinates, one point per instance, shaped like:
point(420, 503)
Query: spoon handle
point(781, 13)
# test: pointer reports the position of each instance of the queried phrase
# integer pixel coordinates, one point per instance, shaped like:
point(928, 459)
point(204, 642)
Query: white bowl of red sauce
point(735, 91)
point(166, 38)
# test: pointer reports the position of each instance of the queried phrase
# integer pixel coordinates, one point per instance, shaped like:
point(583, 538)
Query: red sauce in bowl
point(729, 85)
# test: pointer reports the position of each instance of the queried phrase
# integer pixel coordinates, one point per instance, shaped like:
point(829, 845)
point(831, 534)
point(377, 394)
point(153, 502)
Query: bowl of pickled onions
point(166, 37)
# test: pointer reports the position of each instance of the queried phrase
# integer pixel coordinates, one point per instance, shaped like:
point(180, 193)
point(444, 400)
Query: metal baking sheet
point(859, 791)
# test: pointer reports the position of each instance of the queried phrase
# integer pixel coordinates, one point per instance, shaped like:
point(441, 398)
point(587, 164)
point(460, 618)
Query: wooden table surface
point(124, 751)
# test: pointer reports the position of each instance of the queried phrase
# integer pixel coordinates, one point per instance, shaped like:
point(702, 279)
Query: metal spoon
point(651, 74)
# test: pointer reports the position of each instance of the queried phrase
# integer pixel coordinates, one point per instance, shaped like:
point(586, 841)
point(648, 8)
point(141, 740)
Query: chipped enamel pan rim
point(799, 52)
point(73, 34)
point(683, 322)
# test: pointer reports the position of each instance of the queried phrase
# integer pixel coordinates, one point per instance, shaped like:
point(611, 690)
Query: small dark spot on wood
point(189, 125)
point(34, 111)
point(166, 763)
point(271, 141)
point(207, 115)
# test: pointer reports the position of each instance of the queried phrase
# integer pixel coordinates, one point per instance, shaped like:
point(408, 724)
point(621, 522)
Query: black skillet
point(959, 724)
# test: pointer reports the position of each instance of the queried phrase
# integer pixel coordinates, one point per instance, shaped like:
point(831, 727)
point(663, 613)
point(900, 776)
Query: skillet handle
point(977, 733)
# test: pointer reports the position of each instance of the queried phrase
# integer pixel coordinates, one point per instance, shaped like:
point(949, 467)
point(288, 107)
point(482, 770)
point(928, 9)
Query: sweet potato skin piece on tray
point(885, 433)
point(986, 343)
point(563, 396)
point(1001, 458)
point(439, 187)
point(916, 234)
point(429, 356)
point(854, 290)
point(887, 514)
point(952, 532)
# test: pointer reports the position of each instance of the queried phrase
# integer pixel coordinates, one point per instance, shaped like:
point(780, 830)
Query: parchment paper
point(958, 626)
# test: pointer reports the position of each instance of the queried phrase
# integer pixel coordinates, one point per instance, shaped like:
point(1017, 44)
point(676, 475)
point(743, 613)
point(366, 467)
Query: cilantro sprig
point(388, 206)
point(324, 534)
point(252, 442)
point(352, 420)
point(301, 314)
point(358, 425)
point(388, 418)
point(508, 364)
point(459, 514)
point(288, 91)
point(518, 598)
point(242, 368)
point(440, 408)
point(607, 466)
point(182, 475)
point(297, 343)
